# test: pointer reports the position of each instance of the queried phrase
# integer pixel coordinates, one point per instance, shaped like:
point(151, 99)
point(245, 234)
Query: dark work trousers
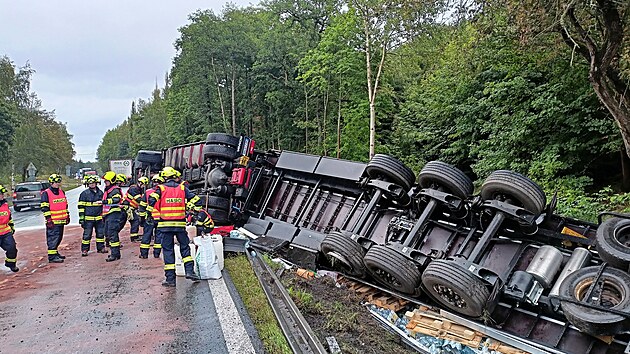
point(168, 244)
point(98, 227)
point(54, 236)
point(112, 228)
point(148, 230)
point(134, 232)
point(7, 243)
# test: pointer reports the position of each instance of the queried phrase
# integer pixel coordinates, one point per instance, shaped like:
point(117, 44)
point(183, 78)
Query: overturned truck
point(501, 259)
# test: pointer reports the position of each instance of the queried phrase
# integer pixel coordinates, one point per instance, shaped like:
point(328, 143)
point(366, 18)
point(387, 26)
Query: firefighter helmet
point(92, 179)
point(54, 178)
point(3, 189)
point(157, 179)
point(169, 172)
point(121, 178)
point(143, 180)
point(110, 176)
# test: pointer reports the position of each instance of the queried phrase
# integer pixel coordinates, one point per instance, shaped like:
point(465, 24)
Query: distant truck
point(124, 167)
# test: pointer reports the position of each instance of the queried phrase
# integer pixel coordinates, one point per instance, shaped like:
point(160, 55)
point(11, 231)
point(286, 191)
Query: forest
point(537, 87)
point(28, 132)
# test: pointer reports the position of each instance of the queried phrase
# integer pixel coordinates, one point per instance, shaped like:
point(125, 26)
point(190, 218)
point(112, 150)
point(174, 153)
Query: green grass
point(257, 306)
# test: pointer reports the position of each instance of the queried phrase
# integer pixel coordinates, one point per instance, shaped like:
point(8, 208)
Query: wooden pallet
point(374, 296)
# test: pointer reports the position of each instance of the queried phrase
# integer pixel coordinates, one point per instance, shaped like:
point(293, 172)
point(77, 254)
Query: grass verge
point(256, 303)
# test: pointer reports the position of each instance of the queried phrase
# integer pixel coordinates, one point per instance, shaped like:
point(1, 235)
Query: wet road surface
point(86, 305)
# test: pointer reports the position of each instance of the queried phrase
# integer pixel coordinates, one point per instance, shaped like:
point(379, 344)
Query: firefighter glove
point(49, 223)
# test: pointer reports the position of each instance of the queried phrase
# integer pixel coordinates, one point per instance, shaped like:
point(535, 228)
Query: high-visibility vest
point(155, 214)
point(130, 199)
point(110, 208)
point(5, 217)
point(172, 205)
point(58, 206)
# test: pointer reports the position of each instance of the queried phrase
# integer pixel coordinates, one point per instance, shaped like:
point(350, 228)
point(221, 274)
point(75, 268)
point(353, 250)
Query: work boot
point(143, 256)
point(14, 269)
point(192, 276)
point(56, 260)
point(84, 253)
point(60, 256)
point(103, 250)
point(111, 258)
point(169, 283)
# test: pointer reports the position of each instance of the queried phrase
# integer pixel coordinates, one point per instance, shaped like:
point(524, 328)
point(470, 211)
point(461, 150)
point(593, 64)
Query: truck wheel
point(613, 242)
point(514, 188)
point(614, 295)
point(392, 269)
point(214, 202)
point(150, 157)
point(219, 151)
point(445, 177)
point(222, 139)
point(390, 169)
point(344, 253)
point(17, 208)
point(220, 217)
point(456, 288)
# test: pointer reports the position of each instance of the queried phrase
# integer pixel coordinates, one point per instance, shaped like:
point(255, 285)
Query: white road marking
point(236, 337)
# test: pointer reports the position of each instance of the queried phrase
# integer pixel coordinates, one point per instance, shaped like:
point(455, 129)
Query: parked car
point(28, 194)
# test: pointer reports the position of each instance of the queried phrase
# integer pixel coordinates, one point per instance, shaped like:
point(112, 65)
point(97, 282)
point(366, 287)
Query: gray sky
point(93, 58)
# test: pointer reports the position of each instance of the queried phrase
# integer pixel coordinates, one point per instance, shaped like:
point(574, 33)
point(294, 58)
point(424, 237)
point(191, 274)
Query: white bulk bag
point(206, 260)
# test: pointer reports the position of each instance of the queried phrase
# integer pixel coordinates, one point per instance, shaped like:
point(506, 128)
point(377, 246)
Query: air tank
point(545, 265)
point(579, 259)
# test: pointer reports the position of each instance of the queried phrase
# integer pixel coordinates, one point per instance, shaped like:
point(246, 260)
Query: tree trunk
point(339, 123)
point(216, 79)
point(305, 120)
point(625, 169)
point(233, 101)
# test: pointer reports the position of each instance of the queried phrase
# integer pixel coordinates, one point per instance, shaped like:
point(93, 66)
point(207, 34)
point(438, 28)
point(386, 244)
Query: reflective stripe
point(93, 218)
point(5, 229)
point(85, 242)
point(10, 260)
point(44, 204)
point(52, 251)
point(100, 240)
point(169, 267)
point(187, 259)
point(157, 245)
point(114, 244)
point(142, 245)
point(172, 224)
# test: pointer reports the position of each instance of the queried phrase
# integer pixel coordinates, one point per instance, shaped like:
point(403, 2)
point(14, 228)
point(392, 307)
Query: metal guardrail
point(297, 331)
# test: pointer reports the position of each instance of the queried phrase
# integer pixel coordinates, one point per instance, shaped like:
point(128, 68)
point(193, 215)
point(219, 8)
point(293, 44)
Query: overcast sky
point(93, 58)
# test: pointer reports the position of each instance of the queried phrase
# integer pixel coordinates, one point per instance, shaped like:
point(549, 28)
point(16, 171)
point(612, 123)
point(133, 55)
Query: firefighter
point(132, 202)
point(148, 221)
point(204, 223)
point(90, 216)
point(7, 242)
point(112, 214)
point(120, 181)
point(54, 205)
point(173, 199)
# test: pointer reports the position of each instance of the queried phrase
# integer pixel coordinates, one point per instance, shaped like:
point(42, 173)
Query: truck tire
point(613, 242)
point(445, 177)
point(214, 202)
point(150, 157)
point(220, 217)
point(390, 169)
point(456, 288)
point(392, 269)
point(222, 139)
point(515, 188)
point(344, 253)
point(17, 208)
point(220, 151)
point(615, 295)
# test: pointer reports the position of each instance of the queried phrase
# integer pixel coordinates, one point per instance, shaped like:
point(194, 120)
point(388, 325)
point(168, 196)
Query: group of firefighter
point(162, 206)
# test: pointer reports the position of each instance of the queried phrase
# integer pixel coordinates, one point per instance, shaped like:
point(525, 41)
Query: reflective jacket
point(144, 203)
point(6, 222)
point(133, 196)
point(111, 200)
point(91, 204)
point(172, 199)
point(55, 205)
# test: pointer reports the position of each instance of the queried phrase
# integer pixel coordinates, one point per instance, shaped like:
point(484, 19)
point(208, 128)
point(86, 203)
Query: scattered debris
point(333, 346)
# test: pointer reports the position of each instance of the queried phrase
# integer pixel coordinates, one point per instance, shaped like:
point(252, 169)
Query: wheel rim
point(339, 261)
point(623, 236)
point(609, 296)
point(386, 277)
point(449, 296)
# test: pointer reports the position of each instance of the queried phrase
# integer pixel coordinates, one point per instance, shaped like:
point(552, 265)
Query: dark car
point(28, 194)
